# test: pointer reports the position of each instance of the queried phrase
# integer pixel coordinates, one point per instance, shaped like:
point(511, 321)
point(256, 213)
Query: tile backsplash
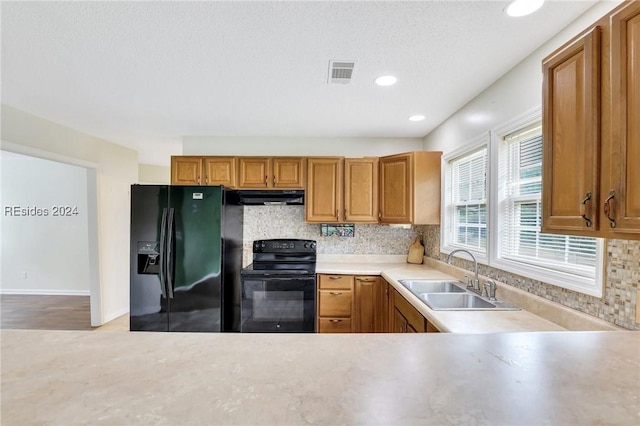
point(618, 303)
point(265, 222)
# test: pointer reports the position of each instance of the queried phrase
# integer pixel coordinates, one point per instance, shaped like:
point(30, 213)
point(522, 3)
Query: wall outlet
point(24, 275)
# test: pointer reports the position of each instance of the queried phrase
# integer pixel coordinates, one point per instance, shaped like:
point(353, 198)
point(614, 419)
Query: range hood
point(271, 197)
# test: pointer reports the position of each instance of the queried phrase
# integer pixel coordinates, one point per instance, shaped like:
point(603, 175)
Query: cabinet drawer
point(335, 303)
point(338, 282)
point(334, 325)
point(413, 316)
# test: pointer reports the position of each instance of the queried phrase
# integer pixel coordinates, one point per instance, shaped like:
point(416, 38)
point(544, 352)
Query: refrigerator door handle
point(163, 239)
point(170, 254)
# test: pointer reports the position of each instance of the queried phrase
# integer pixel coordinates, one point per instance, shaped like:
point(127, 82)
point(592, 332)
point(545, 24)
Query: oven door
point(278, 304)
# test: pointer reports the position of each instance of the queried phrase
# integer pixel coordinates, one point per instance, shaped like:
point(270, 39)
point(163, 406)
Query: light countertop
point(123, 378)
point(445, 321)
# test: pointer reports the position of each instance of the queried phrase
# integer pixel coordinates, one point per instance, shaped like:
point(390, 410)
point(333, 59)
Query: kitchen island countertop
point(133, 378)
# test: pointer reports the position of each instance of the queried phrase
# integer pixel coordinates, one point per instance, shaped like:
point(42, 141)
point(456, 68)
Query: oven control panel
point(284, 246)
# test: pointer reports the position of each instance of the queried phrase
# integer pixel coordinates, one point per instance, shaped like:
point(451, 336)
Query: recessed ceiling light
point(417, 117)
point(523, 7)
point(386, 80)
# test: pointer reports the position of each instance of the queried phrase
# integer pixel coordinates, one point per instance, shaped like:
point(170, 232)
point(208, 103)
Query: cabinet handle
point(266, 180)
point(335, 278)
point(583, 209)
point(335, 293)
point(274, 181)
point(337, 214)
point(366, 280)
point(379, 214)
point(335, 320)
point(206, 179)
point(608, 208)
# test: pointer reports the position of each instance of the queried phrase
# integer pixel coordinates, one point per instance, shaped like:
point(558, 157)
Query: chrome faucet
point(471, 284)
point(490, 290)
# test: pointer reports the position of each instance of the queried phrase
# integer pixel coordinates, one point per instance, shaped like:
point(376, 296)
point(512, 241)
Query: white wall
point(269, 146)
point(53, 251)
point(116, 168)
point(515, 93)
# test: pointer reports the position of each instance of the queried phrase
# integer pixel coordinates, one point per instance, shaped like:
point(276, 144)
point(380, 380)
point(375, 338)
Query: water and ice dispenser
point(148, 257)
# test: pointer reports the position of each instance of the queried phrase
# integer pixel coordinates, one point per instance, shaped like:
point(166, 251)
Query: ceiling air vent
point(340, 72)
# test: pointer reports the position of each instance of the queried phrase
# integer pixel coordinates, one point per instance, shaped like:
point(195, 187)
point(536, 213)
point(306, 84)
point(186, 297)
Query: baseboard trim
point(43, 292)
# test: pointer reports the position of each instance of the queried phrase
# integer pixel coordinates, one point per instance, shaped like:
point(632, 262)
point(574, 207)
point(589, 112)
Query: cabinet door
point(220, 171)
point(335, 303)
point(571, 134)
point(334, 325)
point(413, 317)
point(399, 322)
point(254, 172)
point(324, 190)
point(361, 189)
point(186, 170)
point(622, 195)
point(382, 307)
point(396, 189)
point(288, 173)
point(367, 293)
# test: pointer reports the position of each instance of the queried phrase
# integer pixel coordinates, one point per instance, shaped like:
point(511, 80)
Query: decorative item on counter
point(347, 230)
point(416, 252)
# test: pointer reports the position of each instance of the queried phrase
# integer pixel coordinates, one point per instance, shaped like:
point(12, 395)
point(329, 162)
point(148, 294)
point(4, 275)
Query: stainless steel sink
point(463, 302)
point(449, 295)
point(450, 301)
point(433, 286)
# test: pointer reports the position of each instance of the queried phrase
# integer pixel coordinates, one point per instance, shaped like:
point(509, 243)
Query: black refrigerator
point(186, 257)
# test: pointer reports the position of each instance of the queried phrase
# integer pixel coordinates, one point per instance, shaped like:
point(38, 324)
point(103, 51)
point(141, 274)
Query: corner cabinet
point(404, 318)
point(342, 190)
point(410, 188)
point(591, 130)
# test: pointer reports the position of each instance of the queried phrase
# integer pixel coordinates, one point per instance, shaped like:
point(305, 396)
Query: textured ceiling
point(147, 73)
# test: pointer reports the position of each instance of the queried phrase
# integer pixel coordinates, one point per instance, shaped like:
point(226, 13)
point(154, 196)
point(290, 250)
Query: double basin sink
point(447, 295)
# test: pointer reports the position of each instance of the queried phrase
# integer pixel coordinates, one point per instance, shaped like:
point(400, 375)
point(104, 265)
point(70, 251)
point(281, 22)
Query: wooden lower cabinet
point(407, 319)
point(335, 303)
point(365, 304)
point(404, 318)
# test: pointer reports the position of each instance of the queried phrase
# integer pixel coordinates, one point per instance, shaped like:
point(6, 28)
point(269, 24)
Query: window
point(466, 193)
point(520, 247)
point(500, 183)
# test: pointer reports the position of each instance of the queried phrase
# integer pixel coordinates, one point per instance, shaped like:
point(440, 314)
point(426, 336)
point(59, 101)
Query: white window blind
point(468, 208)
point(520, 239)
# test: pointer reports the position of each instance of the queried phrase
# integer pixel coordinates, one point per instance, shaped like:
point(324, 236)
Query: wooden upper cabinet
point(268, 172)
point(254, 172)
point(410, 188)
point(591, 130)
point(288, 172)
point(220, 171)
point(621, 189)
point(571, 134)
point(186, 170)
point(323, 197)
point(361, 190)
